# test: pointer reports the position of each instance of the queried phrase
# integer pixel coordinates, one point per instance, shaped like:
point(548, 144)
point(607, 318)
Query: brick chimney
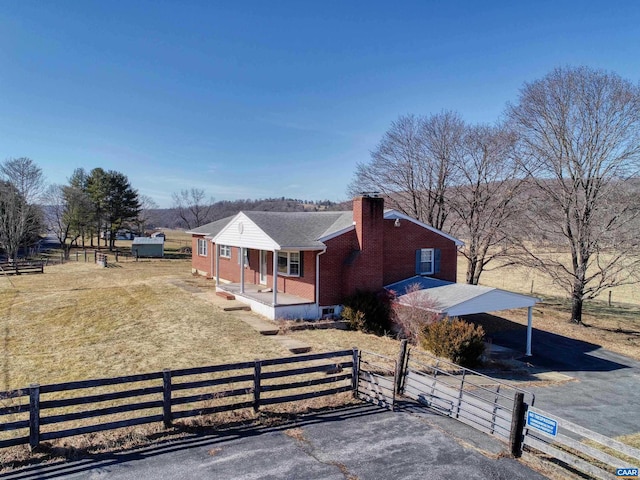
point(368, 216)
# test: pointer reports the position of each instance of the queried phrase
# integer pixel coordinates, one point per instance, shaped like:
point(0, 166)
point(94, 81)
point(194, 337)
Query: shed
point(455, 299)
point(148, 247)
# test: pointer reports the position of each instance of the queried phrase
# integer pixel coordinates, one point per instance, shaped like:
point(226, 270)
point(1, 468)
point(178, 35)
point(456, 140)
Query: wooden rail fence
point(21, 266)
point(43, 412)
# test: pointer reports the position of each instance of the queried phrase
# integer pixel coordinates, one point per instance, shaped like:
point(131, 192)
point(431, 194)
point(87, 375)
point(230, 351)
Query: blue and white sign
point(541, 423)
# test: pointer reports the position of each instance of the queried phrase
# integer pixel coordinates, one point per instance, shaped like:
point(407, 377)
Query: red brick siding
point(304, 286)
point(400, 245)
point(301, 286)
point(336, 279)
point(202, 264)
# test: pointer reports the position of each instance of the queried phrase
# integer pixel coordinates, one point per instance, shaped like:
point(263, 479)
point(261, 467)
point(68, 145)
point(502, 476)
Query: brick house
point(317, 258)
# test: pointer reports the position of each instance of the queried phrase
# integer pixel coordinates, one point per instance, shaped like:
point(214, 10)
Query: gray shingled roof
point(300, 229)
point(212, 228)
point(289, 229)
point(148, 241)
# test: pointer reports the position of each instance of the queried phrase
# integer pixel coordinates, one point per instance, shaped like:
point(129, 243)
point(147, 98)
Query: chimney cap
point(370, 194)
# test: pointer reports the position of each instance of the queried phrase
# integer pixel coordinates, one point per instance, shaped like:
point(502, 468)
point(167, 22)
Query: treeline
point(183, 217)
point(92, 206)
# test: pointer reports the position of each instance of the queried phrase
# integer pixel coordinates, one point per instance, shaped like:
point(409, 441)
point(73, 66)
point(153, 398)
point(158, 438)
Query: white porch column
point(241, 269)
point(217, 255)
point(275, 277)
point(529, 330)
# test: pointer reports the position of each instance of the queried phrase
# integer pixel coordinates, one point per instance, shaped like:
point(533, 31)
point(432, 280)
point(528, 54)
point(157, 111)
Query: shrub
point(417, 311)
point(367, 312)
point(455, 339)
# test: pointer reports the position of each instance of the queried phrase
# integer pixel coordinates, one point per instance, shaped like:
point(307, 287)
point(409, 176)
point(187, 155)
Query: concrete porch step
point(293, 345)
point(226, 296)
point(237, 308)
point(264, 327)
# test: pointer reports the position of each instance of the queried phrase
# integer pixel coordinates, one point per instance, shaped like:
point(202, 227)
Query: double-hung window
point(289, 263)
point(425, 263)
point(202, 247)
point(225, 251)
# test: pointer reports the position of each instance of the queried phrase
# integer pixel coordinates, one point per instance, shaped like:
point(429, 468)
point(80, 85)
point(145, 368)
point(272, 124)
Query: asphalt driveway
point(605, 393)
point(360, 442)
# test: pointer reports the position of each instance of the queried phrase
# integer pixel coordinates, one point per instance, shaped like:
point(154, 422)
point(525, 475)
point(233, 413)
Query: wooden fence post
point(34, 415)
point(256, 385)
point(355, 372)
point(95, 256)
point(517, 424)
point(116, 256)
point(85, 255)
point(400, 368)
point(166, 398)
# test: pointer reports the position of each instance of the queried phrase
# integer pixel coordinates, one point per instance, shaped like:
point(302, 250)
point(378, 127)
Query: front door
point(263, 267)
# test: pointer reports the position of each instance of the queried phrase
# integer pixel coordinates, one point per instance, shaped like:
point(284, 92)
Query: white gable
point(241, 231)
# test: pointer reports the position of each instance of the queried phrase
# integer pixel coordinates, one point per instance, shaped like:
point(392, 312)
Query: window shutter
point(301, 264)
point(436, 260)
point(418, 258)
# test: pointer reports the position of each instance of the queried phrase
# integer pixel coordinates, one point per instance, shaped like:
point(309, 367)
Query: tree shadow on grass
point(551, 351)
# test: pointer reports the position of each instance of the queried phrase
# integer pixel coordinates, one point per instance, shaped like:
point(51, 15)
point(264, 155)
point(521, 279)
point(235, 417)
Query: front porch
point(260, 299)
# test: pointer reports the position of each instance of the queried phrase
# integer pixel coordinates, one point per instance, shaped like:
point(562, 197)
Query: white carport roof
point(455, 299)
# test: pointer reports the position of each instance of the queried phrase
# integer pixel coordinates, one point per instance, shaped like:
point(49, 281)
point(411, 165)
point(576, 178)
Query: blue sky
point(261, 99)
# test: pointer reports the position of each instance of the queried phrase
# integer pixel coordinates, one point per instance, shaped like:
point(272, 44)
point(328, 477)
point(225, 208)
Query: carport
point(455, 299)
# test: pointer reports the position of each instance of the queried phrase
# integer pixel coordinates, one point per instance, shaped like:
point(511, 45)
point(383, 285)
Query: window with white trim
point(225, 251)
point(426, 261)
point(202, 247)
point(289, 263)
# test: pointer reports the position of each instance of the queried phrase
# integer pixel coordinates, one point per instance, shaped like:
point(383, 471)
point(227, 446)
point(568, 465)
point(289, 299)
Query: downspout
point(318, 313)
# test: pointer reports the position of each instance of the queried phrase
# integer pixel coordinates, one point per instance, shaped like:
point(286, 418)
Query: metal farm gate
point(485, 403)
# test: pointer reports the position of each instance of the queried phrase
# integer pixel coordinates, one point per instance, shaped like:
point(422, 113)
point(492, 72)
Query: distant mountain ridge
point(169, 218)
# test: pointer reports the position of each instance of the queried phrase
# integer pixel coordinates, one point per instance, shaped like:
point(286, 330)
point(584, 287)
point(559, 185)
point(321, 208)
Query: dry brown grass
point(519, 279)
point(80, 321)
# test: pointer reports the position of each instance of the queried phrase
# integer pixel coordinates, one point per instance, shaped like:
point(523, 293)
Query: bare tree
point(25, 176)
point(414, 314)
point(66, 214)
point(482, 202)
point(193, 208)
point(580, 144)
point(412, 165)
point(146, 204)
point(20, 222)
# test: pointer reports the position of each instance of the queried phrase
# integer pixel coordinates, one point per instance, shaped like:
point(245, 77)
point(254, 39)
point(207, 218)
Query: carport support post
point(400, 367)
point(517, 424)
point(529, 329)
